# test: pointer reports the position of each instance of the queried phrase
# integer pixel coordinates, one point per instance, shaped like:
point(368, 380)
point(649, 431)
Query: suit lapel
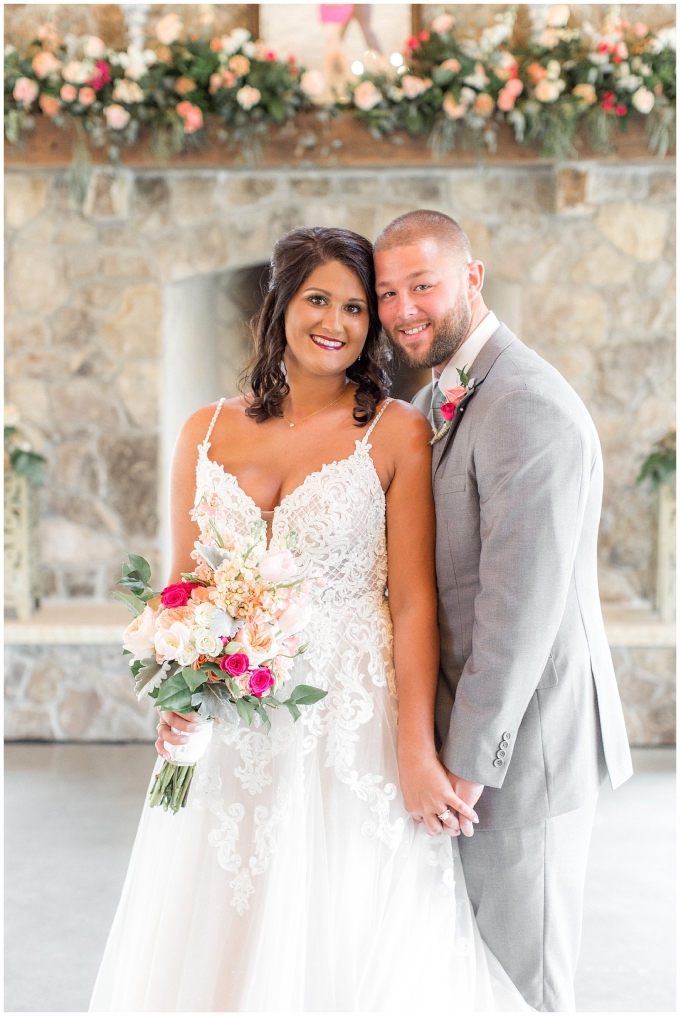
point(481, 366)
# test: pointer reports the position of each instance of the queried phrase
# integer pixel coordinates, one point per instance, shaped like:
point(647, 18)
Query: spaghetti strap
point(370, 429)
point(214, 420)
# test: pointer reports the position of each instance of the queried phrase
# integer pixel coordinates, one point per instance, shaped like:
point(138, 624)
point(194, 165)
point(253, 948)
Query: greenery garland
point(454, 89)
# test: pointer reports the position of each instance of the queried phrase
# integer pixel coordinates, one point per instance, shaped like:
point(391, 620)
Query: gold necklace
point(314, 413)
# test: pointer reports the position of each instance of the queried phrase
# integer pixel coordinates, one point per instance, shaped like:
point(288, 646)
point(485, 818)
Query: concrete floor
point(71, 815)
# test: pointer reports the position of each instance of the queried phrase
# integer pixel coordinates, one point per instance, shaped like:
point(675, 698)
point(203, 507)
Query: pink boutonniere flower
point(454, 396)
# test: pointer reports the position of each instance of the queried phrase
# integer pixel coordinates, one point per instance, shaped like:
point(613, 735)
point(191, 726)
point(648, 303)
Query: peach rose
point(484, 104)
point(506, 100)
point(586, 93)
point(169, 616)
point(192, 116)
point(312, 84)
point(454, 110)
point(248, 97)
point(44, 64)
point(201, 594)
point(443, 23)
point(87, 95)
point(116, 117)
point(216, 45)
point(366, 96)
point(94, 48)
point(68, 93)
point(413, 86)
point(184, 85)
point(49, 105)
point(257, 640)
point(169, 29)
point(640, 29)
point(450, 65)
point(25, 91)
point(139, 635)
point(240, 65)
point(536, 72)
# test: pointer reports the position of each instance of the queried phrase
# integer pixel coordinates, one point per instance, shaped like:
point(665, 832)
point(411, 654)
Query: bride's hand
point(428, 793)
point(189, 722)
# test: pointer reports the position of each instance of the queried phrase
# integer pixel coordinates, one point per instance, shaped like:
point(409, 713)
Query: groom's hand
point(468, 792)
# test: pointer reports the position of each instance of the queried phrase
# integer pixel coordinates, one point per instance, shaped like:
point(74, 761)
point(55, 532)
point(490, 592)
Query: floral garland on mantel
point(448, 87)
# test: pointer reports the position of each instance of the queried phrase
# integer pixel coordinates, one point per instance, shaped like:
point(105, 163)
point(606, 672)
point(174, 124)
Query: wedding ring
point(445, 815)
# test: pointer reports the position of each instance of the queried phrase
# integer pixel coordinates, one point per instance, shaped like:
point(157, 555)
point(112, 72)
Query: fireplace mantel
point(338, 142)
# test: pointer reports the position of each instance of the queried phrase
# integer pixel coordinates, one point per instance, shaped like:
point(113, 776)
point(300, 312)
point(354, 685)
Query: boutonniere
point(454, 396)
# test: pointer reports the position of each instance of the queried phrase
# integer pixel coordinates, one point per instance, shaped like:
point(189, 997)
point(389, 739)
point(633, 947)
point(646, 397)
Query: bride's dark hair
point(295, 257)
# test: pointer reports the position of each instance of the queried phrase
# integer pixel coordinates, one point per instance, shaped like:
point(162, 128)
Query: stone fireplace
point(127, 314)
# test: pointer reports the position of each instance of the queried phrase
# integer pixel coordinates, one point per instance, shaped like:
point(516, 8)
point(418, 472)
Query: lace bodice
point(337, 512)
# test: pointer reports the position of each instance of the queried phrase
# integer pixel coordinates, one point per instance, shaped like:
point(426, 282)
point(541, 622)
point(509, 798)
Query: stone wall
point(579, 261)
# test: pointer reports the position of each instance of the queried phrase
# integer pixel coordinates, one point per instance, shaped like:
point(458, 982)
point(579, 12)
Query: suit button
point(500, 753)
point(498, 762)
point(507, 735)
point(503, 744)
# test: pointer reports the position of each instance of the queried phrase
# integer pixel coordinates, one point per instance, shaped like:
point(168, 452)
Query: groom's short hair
point(424, 224)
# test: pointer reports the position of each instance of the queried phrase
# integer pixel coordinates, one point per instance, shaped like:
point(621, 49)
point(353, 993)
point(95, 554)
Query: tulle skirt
point(295, 881)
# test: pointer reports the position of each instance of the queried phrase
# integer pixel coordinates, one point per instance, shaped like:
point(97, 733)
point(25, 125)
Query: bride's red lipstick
point(326, 342)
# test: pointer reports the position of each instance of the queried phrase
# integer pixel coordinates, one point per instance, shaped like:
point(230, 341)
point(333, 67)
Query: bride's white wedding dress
point(294, 880)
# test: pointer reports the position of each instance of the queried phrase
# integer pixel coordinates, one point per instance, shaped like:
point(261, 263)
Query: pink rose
point(443, 23)
point(192, 116)
point(514, 87)
point(44, 64)
point(235, 664)
point(454, 110)
point(87, 95)
point(102, 77)
point(247, 97)
point(366, 96)
point(261, 680)
point(25, 91)
point(68, 93)
point(293, 619)
point(506, 100)
point(177, 594)
point(483, 104)
point(292, 644)
point(116, 117)
point(413, 86)
point(453, 397)
point(277, 566)
point(640, 29)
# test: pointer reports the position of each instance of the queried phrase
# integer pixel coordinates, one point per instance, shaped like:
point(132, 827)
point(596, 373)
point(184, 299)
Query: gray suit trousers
point(526, 889)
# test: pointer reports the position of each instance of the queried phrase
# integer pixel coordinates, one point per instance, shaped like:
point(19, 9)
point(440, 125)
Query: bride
point(296, 878)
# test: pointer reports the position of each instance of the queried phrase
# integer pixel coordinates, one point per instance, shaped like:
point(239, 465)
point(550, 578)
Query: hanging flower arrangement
point(449, 87)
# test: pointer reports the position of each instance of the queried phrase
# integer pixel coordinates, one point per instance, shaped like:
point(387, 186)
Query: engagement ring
point(445, 815)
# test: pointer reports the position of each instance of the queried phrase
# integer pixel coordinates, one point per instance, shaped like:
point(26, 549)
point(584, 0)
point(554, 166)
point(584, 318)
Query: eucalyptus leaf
point(215, 701)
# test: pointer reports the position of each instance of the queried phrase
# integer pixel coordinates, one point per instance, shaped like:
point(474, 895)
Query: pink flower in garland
point(102, 77)
point(191, 115)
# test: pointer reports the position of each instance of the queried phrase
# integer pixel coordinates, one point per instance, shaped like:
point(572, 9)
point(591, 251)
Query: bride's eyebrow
point(318, 289)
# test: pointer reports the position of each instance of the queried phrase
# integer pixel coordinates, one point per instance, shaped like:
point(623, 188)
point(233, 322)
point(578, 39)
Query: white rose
point(140, 633)
point(77, 72)
point(203, 614)
point(250, 49)
point(247, 97)
point(188, 656)
point(294, 619)
point(558, 16)
point(312, 84)
point(643, 100)
point(127, 91)
point(94, 47)
point(277, 566)
point(169, 29)
point(171, 642)
point(136, 67)
point(553, 70)
point(116, 117)
point(190, 752)
point(206, 643)
point(443, 23)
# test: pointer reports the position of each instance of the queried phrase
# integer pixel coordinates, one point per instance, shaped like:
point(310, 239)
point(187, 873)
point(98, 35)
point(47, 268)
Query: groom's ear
point(476, 272)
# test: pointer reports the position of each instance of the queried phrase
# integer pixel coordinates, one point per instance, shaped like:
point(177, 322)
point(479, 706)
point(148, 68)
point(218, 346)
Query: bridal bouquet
point(221, 642)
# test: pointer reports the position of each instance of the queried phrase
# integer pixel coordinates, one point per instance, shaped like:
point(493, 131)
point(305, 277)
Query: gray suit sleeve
point(532, 467)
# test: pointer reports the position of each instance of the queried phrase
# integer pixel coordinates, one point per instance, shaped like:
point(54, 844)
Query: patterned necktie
point(438, 400)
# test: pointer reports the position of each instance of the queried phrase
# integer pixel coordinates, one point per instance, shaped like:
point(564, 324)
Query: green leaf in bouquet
point(146, 673)
point(137, 666)
point(173, 695)
point(293, 710)
point(233, 647)
point(140, 565)
point(214, 700)
point(306, 695)
point(245, 710)
point(132, 602)
point(262, 713)
point(193, 678)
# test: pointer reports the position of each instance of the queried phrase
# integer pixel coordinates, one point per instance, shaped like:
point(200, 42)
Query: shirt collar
point(468, 352)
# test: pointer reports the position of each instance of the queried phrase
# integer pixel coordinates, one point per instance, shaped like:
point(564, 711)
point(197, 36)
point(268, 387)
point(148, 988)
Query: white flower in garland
point(127, 91)
point(77, 72)
point(248, 97)
point(643, 100)
point(413, 86)
point(169, 29)
point(312, 84)
point(235, 41)
point(558, 16)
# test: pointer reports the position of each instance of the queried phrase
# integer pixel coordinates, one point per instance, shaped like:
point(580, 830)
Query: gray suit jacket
point(528, 702)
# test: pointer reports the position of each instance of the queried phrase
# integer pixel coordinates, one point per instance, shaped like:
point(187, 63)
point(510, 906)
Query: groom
point(528, 712)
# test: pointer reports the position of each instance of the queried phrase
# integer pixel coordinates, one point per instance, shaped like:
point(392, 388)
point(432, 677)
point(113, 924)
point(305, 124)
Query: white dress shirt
point(467, 353)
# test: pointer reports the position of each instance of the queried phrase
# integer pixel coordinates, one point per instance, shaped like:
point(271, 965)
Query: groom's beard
point(449, 333)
